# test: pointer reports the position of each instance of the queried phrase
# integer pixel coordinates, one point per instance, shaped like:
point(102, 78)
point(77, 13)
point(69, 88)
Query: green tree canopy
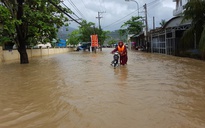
point(102, 36)
point(27, 22)
point(134, 25)
point(73, 37)
point(87, 29)
point(122, 32)
point(112, 41)
point(195, 11)
point(162, 23)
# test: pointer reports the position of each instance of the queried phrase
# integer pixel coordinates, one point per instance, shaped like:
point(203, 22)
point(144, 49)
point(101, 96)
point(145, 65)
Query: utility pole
point(153, 22)
point(99, 17)
point(146, 29)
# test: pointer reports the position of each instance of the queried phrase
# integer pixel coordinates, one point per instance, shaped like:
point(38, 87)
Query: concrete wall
point(6, 55)
point(1, 54)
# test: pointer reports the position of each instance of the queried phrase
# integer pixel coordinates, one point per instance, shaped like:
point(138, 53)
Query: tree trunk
point(23, 53)
point(21, 35)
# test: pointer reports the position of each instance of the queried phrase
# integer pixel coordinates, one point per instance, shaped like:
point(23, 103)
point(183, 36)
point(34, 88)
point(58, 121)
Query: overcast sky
point(115, 12)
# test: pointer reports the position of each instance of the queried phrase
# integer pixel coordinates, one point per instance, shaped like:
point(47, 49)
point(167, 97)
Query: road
point(82, 90)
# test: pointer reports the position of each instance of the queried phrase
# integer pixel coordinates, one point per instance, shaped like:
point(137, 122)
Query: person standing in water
point(122, 50)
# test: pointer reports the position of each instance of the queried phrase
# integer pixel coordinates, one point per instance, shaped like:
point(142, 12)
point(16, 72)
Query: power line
point(63, 11)
point(116, 22)
point(71, 2)
point(78, 18)
point(112, 26)
point(120, 19)
point(153, 2)
point(84, 4)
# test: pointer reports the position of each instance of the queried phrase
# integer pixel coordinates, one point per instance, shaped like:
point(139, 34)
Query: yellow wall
point(6, 55)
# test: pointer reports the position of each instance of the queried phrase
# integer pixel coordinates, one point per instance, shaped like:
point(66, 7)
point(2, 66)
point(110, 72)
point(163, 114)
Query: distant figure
point(122, 50)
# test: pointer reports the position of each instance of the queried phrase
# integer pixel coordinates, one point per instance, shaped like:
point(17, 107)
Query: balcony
point(178, 11)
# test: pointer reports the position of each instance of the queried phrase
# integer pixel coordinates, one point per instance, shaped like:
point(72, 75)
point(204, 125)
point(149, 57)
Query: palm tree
point(162, 23)
point(195, 11)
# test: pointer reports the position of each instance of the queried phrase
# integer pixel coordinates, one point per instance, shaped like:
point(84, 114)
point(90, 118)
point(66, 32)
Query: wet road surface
point(82, 90)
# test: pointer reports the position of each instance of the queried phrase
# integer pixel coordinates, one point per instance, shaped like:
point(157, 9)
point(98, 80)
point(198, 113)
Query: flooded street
point(82, 90)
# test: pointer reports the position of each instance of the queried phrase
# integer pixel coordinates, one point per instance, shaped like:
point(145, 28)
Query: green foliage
point(39, 23)
point(187, 39)
point(113, 41)
point(202, 43)
point(134, 25)
point(123, 32)
point(102, 36)
point(162, 23)
point(88, 29)
point(85, 30)
point(195, 11)
point(73, 37)
point(7, 30)
point(43, 30)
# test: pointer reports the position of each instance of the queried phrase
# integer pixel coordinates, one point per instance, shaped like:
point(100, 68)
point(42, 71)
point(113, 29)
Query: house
point(179, 7)
point(166, 40)
point(139, 39)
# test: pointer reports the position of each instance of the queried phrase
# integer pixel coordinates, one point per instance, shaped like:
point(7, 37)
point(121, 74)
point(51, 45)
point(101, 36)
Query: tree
point(7, 31)
point(87, 29)
point(194, 10)
point(102, 35)
point(162, 23)
point(122, 32)
point(73, 37)
point(112, 42)
point(29, 22)
point(134, 25)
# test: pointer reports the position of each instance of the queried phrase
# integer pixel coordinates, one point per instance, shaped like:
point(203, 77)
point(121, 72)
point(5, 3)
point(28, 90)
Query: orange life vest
point(121, 49)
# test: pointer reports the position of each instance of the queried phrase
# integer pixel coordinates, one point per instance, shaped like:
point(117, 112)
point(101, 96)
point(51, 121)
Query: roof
point(176, 21)
point(137, 35)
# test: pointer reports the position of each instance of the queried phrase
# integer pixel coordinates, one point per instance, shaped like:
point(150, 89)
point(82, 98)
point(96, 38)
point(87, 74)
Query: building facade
point(178, 11)
point(167, 39)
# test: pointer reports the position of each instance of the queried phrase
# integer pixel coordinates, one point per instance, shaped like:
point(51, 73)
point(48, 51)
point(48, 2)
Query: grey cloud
point(117, 10)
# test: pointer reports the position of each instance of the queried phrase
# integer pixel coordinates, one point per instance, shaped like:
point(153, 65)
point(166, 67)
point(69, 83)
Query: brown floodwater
point(82, 90)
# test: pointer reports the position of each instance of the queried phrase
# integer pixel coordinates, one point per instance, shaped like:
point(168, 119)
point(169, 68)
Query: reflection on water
point(121, 73)
point(82, 90)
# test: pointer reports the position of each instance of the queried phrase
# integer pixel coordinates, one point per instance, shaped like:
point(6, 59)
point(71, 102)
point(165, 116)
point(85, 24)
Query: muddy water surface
point(82, 90)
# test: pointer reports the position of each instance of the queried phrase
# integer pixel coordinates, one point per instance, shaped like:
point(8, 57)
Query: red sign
point(94, 40)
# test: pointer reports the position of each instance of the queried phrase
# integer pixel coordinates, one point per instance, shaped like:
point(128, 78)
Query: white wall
point(6, 55)
point(179, 7)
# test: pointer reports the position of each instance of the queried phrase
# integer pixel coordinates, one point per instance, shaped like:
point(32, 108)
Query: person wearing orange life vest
point(122, 50)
